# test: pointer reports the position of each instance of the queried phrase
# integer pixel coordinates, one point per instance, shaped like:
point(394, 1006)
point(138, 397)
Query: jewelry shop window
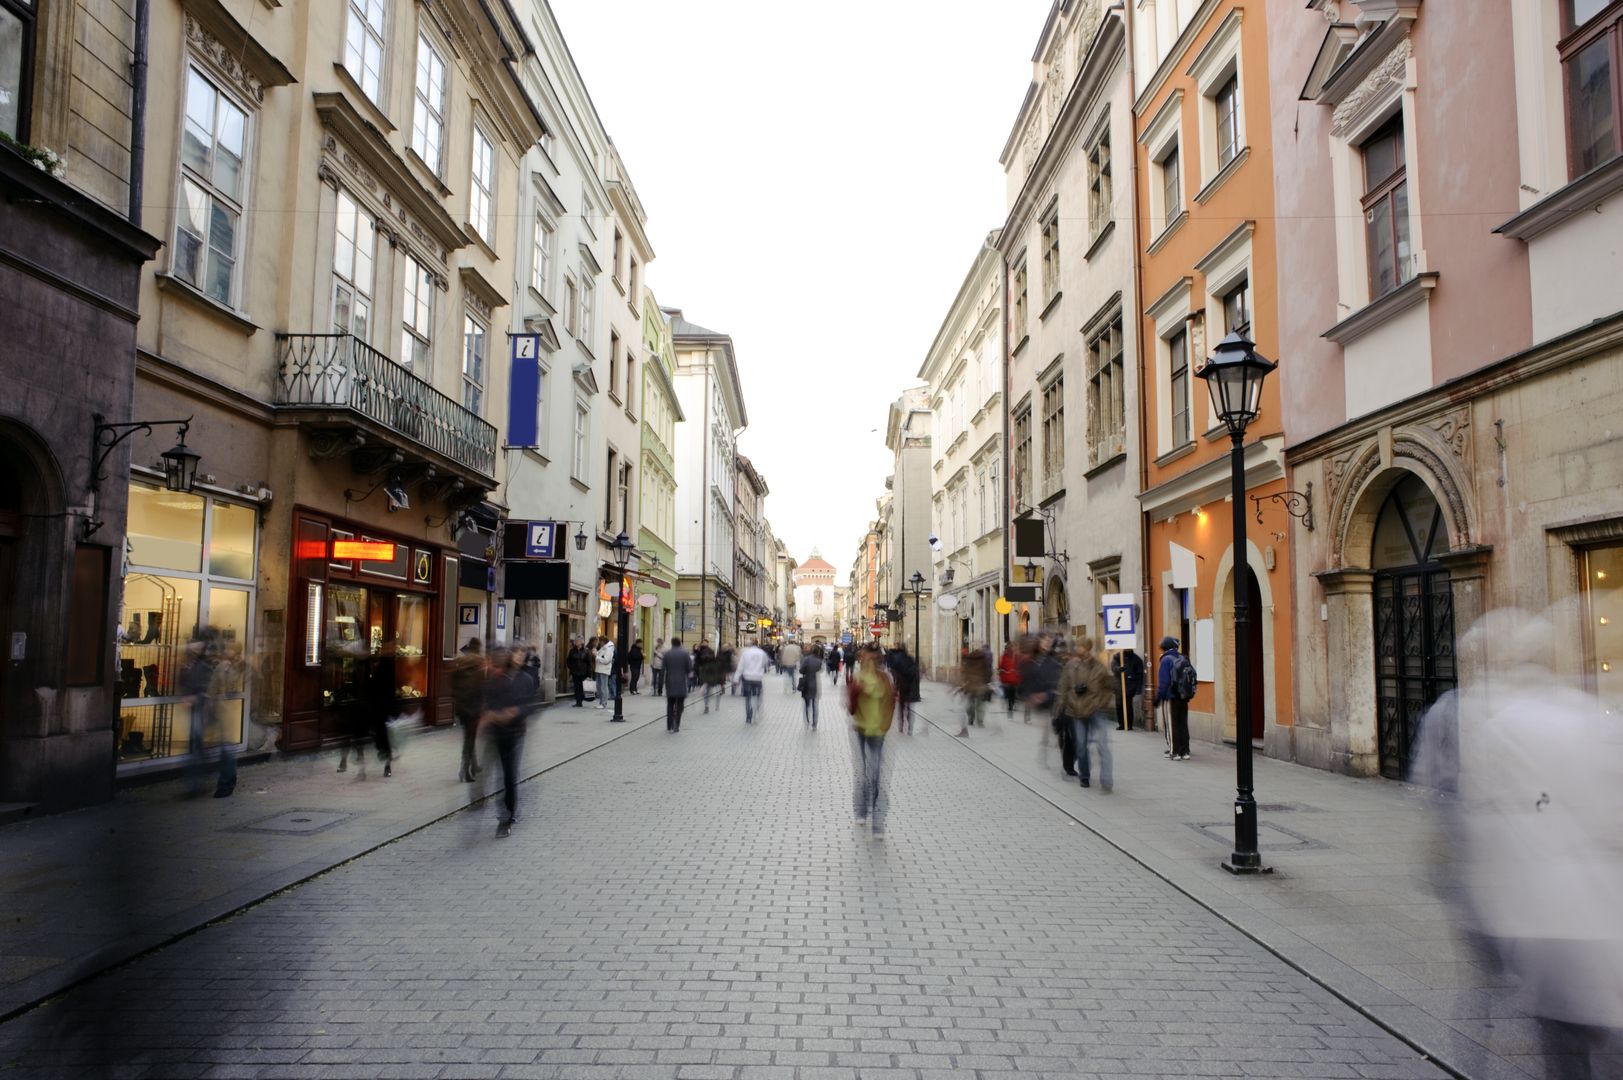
point(188, 598)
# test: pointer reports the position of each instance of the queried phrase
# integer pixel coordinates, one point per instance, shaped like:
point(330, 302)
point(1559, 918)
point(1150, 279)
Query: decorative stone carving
point(1377, 82)
point(1334, 471)
point(392, 220)
point(477, 303)
point(223, 61)
point(1030, 149)
point(1454, 428)
point(1417, 449)
point(1087, 24)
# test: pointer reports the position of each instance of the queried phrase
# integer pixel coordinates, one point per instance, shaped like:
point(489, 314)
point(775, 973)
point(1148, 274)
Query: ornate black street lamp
point(622, 557)
point(721, 611)
point(1234, 376)
point(916, 587)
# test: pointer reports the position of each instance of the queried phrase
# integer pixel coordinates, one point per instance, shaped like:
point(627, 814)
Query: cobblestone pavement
point(702, 905)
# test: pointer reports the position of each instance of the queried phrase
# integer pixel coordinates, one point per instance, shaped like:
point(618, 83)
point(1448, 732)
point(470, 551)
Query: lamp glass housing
point(1234, 376)
point(180, 467)
point(622, 550)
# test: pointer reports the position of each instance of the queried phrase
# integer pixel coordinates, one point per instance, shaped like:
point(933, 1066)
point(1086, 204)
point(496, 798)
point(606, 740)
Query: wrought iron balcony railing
point(341, 371)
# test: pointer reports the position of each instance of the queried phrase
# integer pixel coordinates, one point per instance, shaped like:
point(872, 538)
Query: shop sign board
point(1121, 621)
point(370, 550)
point(541, 540)
point(467, 614)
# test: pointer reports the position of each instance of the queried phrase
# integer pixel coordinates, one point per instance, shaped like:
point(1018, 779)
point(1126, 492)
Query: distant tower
point(815, 604)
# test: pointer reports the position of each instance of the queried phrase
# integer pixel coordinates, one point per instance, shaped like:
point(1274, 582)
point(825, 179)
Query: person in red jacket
point(1008, 676)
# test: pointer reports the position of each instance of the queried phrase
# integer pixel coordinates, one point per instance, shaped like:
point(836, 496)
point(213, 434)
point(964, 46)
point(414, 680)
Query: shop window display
point(1603, 602)
point(191, 565)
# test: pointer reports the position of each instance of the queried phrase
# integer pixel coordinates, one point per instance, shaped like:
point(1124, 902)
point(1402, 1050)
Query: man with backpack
point(1175, 685)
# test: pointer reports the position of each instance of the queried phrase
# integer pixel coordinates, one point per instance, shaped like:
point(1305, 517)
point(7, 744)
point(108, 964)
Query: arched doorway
point(1414, 618)
point(1056, 605)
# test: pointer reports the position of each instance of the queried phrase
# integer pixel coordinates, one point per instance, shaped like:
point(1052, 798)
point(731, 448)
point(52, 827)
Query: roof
point(816, 562)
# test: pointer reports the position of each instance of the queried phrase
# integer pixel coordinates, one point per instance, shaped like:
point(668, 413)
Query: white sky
point(818, 179)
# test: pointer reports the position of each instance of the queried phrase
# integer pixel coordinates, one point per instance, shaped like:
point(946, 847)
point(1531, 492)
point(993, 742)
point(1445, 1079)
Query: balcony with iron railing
point(343, 382)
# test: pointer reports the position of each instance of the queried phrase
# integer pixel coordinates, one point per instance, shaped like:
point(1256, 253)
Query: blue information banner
point(524, 390)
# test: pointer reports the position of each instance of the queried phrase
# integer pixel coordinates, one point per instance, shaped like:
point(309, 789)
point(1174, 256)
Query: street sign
point(1121, 621)
point(541, 540)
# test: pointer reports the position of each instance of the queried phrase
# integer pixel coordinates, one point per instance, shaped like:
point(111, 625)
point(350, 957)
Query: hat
point(1169, 642)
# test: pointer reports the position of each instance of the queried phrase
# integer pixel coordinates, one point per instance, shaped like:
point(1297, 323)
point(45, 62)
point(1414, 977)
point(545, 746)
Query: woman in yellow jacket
point(870, 698)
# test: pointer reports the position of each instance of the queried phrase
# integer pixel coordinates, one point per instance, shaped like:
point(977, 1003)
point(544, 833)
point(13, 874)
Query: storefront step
point(15, 811)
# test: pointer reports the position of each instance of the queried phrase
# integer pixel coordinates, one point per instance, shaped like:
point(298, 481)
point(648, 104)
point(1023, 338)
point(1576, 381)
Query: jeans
point(1090, 731)
point(470, 733)
point(1008, 698)
point(507, 741)
point(605, 690)
point(580, 690)
point(808, 704)
point(904, 717)
point(1180, 727)
point(790, 674)
point(636, 675)
point(870, 788)
point(659, 680)
point(709, 689)
point(974, 708)
point(673, 712)
point(752, 691)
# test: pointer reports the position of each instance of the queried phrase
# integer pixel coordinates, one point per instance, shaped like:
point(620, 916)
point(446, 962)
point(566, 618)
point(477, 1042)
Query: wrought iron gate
point(1414, 656)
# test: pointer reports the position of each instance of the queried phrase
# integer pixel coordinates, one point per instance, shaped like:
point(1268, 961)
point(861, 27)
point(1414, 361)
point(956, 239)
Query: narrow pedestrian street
point(701, 904)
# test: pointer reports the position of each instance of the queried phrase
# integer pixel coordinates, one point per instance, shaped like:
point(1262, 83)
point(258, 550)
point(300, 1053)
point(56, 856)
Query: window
point(352, 269)
point(1022, 458)
point(1054, 435)
point(588, 300)
point(577, 460)
point(1603, 611)
point(1100, 201)
point(212, 179)
point(1591, 62)
point(1018, 322)
point(610, 475)
point(1171, 186)
point(571, 307)
point(541, 266)
point(428, 116)
point(1107, 409)
point(633, 285)
point(16, 66)
point(417, 319)
point(1237, 309)
point(631, 384)
point(482, 196)
point(625, 497)
point(1106, 582)
point(1051, 253)
point(1386, 209)
point(614, 365)
point(1228, 120)
point(619, 255)
point(473, 364)
point(363, 45)
point(1178, 384)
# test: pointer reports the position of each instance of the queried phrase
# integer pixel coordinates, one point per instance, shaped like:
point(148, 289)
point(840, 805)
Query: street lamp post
point(721, 610)
point(916, 587)
point(622, 557)
point(1234, 375)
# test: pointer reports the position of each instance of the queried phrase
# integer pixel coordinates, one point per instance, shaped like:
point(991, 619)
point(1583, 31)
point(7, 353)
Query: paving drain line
point(1430, 1056)
point(225, 916)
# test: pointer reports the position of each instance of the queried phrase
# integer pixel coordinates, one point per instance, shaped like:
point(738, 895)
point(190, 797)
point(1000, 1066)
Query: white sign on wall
point(1121, 621)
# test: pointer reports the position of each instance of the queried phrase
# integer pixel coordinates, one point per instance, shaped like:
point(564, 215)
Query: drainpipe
point(138, 110)
point(1008, 461)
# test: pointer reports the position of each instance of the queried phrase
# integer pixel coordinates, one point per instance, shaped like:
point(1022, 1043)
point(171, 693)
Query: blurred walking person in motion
point(634, 661)
point(752, 665)
point(789, 664)
point(975, 683)
point(656, 664)
point(904, 671)
point(382, 703)
point(508, 692)
point(870, 698)
point(198, 673)
point(678, 672)
point(811, 670)
point(467, 702)
point(603, 665)
point(1008, 679)
point(726, 662)
point(704, 666)
point(832, 662)
point(1086, 697)
point(580, 663)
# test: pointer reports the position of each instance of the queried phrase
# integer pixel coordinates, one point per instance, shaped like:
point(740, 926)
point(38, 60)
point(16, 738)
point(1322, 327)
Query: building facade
point(1207, 233)
point(1068, 256)
point(816, 605)
point(905, 528)
point(656, 533)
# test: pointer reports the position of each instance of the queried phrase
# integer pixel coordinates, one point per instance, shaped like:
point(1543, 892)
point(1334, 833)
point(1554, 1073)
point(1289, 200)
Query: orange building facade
point(1205, 233)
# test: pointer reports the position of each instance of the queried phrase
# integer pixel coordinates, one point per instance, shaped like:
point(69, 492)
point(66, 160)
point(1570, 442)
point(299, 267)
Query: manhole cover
point(299, 821)
point(1270, 837)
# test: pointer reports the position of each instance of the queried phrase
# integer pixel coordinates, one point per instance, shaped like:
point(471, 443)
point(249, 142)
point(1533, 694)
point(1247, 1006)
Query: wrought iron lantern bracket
point(1298, 504)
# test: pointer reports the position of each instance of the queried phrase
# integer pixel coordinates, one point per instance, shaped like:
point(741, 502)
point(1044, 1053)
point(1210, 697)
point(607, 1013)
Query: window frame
point(1386, 191)
point(1227, 93)
point(1022, 456)
point(1053, 405)
point(26, 12)
point(361, 9)
point(543, 253)
point(1101, 181)
point(1019, 314)
point(353, 280)
point(417, 307)
point(1606, 23)
point(1242, 289)
point(474, 382)
point(1171, 183)
point(482, 192)
point(1107, 389)
point(422, 107)
point(186, 173)
point(1049, 232)
point(1178, 374)
point(588, 309)
point(579, 434)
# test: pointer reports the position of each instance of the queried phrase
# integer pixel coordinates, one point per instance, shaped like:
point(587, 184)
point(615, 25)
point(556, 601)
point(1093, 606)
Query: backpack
point(1183, 678)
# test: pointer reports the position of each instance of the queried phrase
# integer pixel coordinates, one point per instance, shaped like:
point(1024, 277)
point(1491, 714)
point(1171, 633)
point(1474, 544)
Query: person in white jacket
point(606, 690)
point(752, 665)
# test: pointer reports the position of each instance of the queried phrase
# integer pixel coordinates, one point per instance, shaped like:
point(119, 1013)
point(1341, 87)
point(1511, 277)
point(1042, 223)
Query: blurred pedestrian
point(196, 682)
point(603, 666)
point(811, 668)
point(1008, 678)
point(870, 698)
point(382, 703)
point(1175, 681)
point(726, 663)
point(975, 684)
point(467, 702)
point(678, 679)
point(832, 661)
point(634, 661)
point(752, 665)
point(508, 693)
point(350, 696)
point(789, 665)
point(1086, 694)
point(704, 665)
point(904, 671)
point(656, 664)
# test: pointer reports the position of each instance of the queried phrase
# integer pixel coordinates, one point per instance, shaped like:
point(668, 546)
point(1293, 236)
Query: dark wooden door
point(1414, 656)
